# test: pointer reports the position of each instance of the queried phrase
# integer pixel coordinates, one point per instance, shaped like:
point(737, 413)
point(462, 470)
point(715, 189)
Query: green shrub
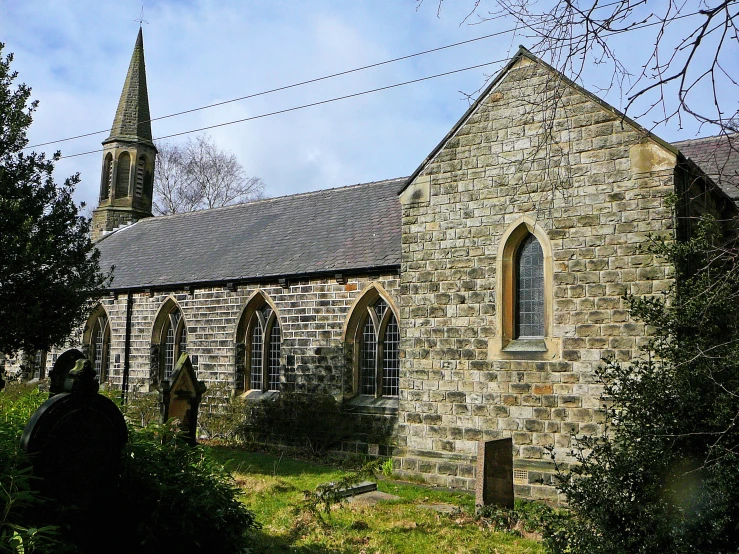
point(222, 417)
point(20, 529)
point(663, 476)
point(172, 498)
point(141, 408)
point(175, 498)
point(312, 421)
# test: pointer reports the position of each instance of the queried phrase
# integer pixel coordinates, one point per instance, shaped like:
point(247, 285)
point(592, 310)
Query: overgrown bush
point(175, 498)
point(19, 529)
point(172, 498)
point(141, 408)
point(664, 475)
point(221, 416)
point(311, 421)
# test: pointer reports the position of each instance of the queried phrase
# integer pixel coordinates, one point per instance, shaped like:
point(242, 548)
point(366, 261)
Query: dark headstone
point(62, 366)
point(181, 396)
point(75, 439)
point(494, 473)
point(75, 442)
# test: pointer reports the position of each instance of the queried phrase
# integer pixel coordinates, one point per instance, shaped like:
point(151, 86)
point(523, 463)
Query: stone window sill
point(526, 345)
point(372, 405)
point(257, 395)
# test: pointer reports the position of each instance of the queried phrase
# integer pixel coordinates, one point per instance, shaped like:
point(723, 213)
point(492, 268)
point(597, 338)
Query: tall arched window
point(107, 177)
point(263, 350)
point(124, 174)
point(260, 337)
point(97, 339)
point(374, 335)
point(530, 289)
point(169, 338)
point(173, 341)
point(525, 294)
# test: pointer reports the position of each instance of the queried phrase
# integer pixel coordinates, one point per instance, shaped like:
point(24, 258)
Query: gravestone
point(75, 442)
point(181, 396)
point(62, 366)
point(494, 473)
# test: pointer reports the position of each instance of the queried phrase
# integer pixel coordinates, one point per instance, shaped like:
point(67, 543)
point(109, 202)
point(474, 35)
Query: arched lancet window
point(170, 334)
point(98, 343)
point(124, 174)
point(375, 335)
point(140, 173)
point(525, 294)
point(530, 289)
point(261, 338)
point(174, 341)
point(107, 177)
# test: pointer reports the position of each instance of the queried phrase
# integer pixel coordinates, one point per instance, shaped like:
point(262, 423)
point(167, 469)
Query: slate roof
point(329, 231)
point(719, 157)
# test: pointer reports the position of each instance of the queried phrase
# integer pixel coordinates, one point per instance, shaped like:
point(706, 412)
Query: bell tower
point(127, 179)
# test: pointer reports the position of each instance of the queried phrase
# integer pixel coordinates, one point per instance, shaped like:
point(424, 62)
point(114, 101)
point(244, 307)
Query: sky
point(75, 54)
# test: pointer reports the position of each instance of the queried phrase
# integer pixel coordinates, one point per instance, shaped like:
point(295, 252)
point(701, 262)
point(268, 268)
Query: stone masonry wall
point(598, 190)
point(312, 314)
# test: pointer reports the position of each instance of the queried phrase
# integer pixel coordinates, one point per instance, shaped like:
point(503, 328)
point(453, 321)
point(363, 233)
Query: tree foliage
point(49, 268)
point(198, 175)
point(664, 476)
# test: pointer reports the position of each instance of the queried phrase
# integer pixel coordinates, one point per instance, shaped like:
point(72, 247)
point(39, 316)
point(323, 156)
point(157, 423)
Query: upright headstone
point(494, 473)
point(181, 396)
point(62, 366)
point(75, 442)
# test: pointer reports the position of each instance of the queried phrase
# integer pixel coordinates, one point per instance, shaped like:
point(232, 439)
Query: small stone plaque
point(494, 473)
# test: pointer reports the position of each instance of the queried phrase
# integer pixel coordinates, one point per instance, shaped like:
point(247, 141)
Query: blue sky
point(75, 54)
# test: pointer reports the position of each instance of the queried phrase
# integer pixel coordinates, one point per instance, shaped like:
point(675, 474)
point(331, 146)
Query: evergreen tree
point(664, 476)
point(49, 268)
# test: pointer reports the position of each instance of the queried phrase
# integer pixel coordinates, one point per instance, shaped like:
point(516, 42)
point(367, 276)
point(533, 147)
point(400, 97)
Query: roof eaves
point(258, 279)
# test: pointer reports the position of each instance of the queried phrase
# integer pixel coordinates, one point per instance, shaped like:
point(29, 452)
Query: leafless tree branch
point(198, 175)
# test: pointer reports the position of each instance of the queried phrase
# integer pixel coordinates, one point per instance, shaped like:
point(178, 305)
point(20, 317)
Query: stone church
point(470, 301)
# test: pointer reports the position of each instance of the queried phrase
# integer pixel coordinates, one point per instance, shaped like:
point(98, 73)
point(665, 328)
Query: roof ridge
point(730, 136)
point(275, 198)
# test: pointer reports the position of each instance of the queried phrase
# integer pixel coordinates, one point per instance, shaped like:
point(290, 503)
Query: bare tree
point(199, 175)
point(689, 60)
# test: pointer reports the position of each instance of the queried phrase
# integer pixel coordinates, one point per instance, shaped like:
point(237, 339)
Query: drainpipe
point(127, 350)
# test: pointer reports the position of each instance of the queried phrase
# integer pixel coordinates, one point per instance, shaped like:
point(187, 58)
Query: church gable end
point(536, 164)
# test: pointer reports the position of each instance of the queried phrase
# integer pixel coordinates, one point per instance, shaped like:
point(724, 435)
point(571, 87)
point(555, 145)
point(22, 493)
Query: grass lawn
point(273, 487)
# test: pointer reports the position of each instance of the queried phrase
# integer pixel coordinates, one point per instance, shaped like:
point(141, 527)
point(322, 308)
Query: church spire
point(132, 117)
point(127, 177)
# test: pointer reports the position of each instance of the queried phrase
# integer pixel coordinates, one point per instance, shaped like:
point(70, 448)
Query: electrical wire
point(302, 83)
point(303, 106)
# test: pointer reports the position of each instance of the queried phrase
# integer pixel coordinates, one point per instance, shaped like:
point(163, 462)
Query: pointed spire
point(131, 122)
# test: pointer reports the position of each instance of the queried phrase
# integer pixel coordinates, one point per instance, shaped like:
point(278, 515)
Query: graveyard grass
point(274, 489)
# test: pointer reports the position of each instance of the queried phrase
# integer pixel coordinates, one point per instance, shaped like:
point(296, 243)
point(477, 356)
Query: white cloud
point(75, 55)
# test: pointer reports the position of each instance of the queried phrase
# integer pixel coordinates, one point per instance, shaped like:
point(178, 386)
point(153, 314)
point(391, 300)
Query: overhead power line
point(302, 83)
point(296, 108)
point(303, 106)
point(278, 89)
